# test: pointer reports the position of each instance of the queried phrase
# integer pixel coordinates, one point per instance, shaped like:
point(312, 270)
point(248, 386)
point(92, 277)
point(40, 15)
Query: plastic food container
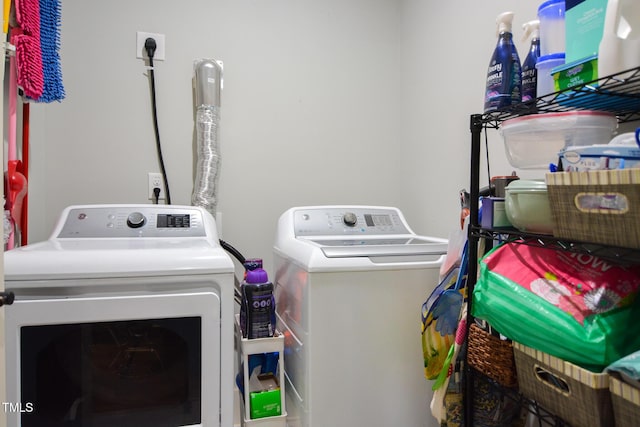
point(552, 28)
point(602, 156)
point(534, 141)
point(527, 206)
point(544, 65)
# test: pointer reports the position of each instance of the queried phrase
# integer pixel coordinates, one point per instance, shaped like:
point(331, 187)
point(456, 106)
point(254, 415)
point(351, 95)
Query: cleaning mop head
point(50, 15)
point(26, 40)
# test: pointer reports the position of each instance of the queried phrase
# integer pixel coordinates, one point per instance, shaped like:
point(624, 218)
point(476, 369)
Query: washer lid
point(86, 258)
point(391, 246)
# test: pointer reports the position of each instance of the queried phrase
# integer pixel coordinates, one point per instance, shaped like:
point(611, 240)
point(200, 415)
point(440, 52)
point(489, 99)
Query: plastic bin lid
point(548, 3)
point(560, 115)
point(574, 63)
point(551, 57)
point(526, 186)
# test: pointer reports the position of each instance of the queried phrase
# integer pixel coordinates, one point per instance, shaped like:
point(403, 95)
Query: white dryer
point(123, 317)
point(350, 282)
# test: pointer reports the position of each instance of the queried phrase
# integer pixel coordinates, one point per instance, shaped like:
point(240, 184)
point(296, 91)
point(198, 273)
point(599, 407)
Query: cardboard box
point(584, 25)
point(265, 399)
point(494, 213)
point(599, 157)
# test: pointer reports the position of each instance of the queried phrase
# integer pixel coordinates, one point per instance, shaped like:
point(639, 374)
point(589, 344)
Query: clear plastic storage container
point(552, 28)
point(534, 141)
point(544, 65)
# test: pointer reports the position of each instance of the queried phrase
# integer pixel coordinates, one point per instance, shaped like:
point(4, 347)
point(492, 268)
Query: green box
point(265, 401)
point(575, 74)
point(584, 26)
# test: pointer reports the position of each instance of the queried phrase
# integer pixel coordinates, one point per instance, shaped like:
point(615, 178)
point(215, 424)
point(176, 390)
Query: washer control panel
point(349, 220)
point(131, 221)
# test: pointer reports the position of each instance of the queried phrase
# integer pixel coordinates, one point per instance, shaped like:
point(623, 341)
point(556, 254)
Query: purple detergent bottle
point(257, 309)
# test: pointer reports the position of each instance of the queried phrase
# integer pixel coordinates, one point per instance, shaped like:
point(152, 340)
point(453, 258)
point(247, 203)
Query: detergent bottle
point(619, 48)
point(529, 70)
point(504, 78)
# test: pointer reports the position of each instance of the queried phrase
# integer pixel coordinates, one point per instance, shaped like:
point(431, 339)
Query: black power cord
point(156, 195)
point(150, 47)
point(233, 251)
point(237, 295)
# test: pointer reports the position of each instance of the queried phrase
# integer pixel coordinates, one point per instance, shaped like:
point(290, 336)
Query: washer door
point(122, 360)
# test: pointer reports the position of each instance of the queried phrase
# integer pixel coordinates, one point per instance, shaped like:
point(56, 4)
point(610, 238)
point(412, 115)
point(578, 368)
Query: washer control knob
point(350, 219)
point(136, 220)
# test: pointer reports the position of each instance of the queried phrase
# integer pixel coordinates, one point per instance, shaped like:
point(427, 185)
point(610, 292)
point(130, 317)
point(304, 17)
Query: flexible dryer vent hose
point(208, 85)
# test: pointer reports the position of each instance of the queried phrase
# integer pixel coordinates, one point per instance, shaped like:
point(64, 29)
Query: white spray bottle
point(529, 70)
point(504, 78)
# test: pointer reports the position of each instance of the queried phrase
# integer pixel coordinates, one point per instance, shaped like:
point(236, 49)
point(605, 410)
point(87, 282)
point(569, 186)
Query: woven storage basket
point(578, 396)
point(600, 206)
point(491, 356)
point(626, 403)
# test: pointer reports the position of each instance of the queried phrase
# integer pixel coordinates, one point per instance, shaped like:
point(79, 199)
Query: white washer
point(350, 282)
point(123, 317)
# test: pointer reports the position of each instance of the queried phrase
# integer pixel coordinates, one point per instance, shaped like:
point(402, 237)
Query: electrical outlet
point(141, 52)
point(155, 181)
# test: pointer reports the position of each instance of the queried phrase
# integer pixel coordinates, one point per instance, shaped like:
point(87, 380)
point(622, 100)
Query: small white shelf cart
point(247, 347)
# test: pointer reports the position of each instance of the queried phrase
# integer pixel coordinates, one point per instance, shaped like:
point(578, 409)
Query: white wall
point(446, 48)
point(331, 102)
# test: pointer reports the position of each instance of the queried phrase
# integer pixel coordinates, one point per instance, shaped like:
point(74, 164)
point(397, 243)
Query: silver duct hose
point(208, 84)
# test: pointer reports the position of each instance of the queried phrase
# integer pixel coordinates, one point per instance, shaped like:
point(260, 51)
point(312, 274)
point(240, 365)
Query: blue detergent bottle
point(529, 70)
point(504, 78)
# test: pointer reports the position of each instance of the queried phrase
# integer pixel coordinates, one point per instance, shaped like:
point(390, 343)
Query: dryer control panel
point(117, 221)
point(347, 221)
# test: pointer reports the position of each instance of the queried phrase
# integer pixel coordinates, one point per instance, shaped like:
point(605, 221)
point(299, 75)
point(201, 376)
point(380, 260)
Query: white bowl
point(527, 206)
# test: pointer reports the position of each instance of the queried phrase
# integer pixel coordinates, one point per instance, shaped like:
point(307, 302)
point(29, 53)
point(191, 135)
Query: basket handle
point(550, 379)
point(602, 203)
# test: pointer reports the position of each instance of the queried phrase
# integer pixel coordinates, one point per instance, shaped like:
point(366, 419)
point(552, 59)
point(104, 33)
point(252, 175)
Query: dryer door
point(107, 361)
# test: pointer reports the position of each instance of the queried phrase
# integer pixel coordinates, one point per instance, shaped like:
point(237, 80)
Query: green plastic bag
point(577, 307)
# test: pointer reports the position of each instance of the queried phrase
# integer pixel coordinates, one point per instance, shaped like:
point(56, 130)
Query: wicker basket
point(600, 206)
point(491, 356)
point(626, 403)
point(578, 396)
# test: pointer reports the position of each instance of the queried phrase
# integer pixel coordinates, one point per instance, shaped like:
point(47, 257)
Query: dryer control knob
point(136, 220)
point(350, 219)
